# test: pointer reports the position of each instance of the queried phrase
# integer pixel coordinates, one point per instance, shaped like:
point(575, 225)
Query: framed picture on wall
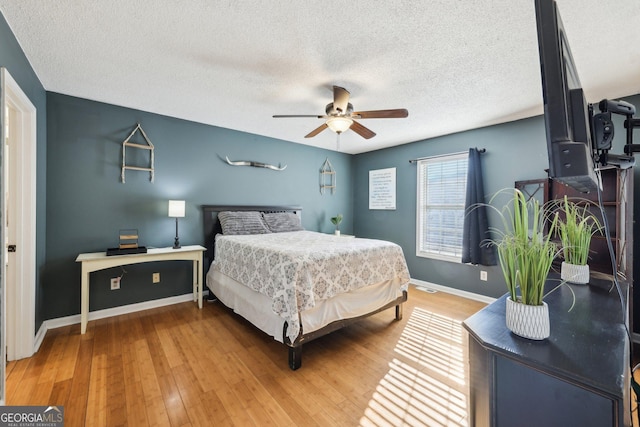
point(382, 189)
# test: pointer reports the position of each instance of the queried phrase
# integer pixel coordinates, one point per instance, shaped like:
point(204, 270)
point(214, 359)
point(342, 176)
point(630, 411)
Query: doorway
point(18, 212)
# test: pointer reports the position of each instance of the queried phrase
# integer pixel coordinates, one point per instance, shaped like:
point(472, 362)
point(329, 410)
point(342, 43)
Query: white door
point(3, 233)
point(17, 281)
point(9, 171)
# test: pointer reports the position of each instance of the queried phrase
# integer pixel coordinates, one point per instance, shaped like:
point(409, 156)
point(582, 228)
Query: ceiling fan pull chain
point(338, 141)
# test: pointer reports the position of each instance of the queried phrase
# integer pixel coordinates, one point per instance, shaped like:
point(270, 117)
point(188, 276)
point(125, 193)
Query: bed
point(297, 285)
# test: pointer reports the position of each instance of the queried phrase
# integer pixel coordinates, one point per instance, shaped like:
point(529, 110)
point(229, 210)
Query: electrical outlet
point(156, 277)
point(483, 275)
point(115, 283)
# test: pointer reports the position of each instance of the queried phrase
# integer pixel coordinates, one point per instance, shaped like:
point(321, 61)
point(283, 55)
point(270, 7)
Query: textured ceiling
point(454, 64)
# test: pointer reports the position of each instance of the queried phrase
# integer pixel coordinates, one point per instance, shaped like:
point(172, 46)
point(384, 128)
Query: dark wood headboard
point(212, 225)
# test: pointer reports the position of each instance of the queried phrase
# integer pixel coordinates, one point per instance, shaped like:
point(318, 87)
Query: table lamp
point(176, 210)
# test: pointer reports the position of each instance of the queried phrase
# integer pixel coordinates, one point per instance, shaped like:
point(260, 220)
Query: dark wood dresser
point(579, 376)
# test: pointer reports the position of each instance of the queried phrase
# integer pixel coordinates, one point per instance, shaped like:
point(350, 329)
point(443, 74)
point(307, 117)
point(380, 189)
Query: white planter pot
point(528, 321)
point(574, 273)
point(337, 232)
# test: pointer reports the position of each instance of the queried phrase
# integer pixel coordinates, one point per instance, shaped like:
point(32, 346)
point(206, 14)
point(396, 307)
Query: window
point(442, 183)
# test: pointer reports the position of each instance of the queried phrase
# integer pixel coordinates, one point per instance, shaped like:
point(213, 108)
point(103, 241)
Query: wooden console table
point(100, 261)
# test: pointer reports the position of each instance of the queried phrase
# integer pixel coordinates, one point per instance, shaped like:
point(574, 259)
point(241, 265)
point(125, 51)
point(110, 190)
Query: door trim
point(22, 341)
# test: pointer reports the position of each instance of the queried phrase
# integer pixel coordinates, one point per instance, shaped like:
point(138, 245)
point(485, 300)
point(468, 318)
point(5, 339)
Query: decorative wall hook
point(255, 164)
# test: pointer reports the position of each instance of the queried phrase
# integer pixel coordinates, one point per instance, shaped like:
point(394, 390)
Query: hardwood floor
point(180, 366)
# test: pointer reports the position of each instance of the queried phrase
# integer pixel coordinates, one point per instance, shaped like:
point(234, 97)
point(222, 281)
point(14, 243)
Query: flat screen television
point(566, 112)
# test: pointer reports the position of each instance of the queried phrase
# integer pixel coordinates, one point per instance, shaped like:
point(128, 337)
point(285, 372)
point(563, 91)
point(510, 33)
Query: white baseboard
point(453, 291)
point(39, 337)
point(109, 312)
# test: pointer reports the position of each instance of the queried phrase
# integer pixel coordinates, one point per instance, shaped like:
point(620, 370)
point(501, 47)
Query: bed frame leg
point(295, 357)
point(399, 312)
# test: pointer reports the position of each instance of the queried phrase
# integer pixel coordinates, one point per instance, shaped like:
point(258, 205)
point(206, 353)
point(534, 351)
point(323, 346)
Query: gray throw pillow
point(248, 222)
point(279, 222)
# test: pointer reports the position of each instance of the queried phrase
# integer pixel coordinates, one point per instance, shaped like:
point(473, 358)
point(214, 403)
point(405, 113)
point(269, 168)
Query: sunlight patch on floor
point(425, 385)
point(435, 342)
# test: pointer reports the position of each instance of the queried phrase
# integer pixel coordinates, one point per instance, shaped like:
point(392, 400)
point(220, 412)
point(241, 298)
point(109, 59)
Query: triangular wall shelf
point(327, 177)
point(149, 147)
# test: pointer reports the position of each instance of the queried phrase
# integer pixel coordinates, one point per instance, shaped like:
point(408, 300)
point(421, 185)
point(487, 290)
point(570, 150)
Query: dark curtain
point(475, 249)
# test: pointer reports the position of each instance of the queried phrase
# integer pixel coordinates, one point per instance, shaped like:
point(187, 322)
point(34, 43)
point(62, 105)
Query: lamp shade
point(339, 124)
point(176, 208)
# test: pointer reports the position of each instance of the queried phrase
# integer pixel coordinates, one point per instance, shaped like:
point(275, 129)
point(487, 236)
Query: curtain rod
point(480, 150)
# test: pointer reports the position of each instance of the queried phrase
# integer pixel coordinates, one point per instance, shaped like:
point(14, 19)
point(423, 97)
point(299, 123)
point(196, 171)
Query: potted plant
point(526, 253)
point(575, 230)
point(336, 220)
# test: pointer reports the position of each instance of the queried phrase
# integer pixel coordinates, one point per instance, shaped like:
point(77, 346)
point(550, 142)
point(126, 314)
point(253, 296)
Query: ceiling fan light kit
point(340, 116)
point(339, 124)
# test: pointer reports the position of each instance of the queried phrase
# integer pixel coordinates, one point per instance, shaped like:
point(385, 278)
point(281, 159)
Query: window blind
point(441, 194)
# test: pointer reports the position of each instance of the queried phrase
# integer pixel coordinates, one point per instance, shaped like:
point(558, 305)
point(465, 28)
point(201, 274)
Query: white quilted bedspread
point(297, 269)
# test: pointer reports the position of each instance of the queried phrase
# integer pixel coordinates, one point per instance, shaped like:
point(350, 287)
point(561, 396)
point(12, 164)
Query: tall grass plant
point(525, 250)
point(575, 230)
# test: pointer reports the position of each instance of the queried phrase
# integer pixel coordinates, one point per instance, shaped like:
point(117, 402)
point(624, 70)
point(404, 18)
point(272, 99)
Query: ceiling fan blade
point(316, 131)
point(280, 116)
point(399, 113)
point(340, 99)
point(364, 132)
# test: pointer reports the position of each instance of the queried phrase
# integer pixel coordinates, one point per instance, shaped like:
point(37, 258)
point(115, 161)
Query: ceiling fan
point(340, 116)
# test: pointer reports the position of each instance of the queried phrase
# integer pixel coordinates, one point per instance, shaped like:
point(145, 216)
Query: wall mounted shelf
point(327, 177)
point(149, 146)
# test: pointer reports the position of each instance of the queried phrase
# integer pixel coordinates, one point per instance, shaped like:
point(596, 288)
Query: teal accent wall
point(507, 145)
point(13, 59)
point(87, 204)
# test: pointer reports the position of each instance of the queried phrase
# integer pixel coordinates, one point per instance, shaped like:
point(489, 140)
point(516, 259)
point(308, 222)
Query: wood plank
point(67, 365)
point(75, 414)
point(25, 392)
point(115, 381)
point(97, 395)
point(22, 393)
point(134, 393)
point(294, 408)
point(175, 408)
point(60, 393)
point(235, 407)
point(14, 377)
point(141, 146)
point(267, 403)
point(156, 412)
point(197, 407)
